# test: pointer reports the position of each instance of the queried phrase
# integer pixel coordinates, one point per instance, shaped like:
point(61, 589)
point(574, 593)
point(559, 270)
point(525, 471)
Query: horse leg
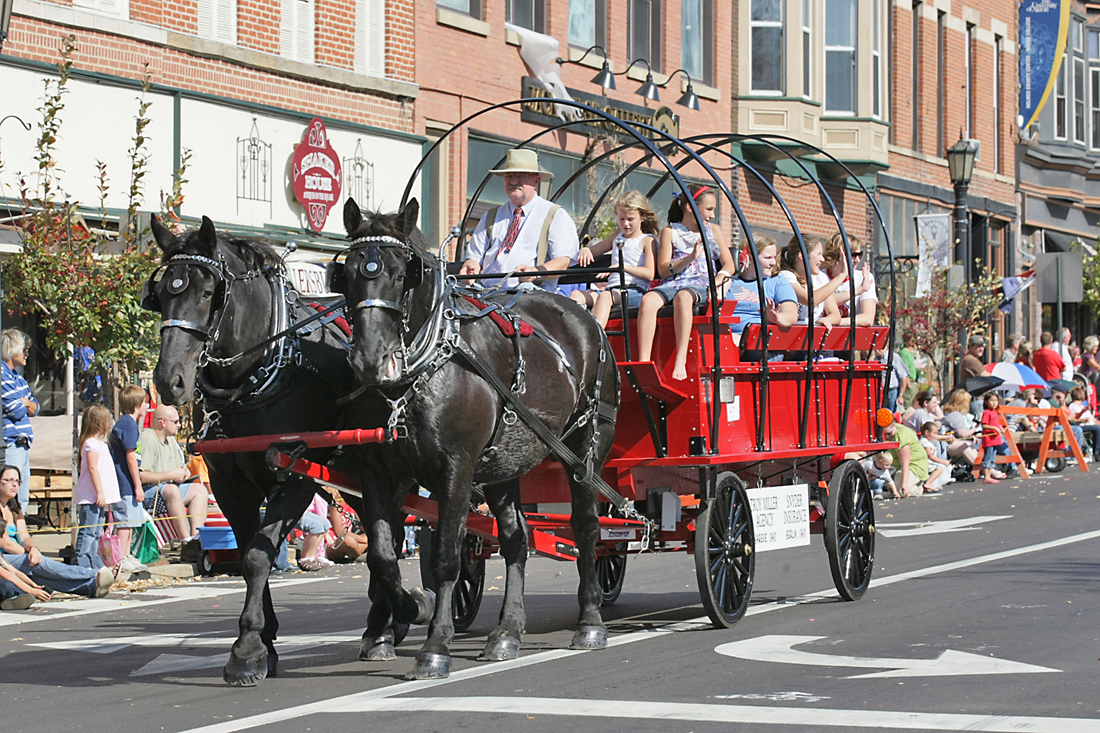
point(433, 661)
point(253, 654)
point(382, 634)
point(591, 632)
point(504, 641)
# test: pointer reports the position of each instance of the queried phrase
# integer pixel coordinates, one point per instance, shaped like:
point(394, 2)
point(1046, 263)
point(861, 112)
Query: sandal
point(309, 564)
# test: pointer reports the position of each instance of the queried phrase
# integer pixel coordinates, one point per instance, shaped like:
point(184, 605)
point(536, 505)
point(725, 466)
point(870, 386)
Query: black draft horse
point(219, 296)
point(460, 430)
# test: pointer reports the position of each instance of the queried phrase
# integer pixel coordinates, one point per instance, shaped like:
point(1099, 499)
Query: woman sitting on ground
point(344, 545)
point(866, 294)
point(1081, 417)
point(20, 552)
point(926, 408)
point(957, 420)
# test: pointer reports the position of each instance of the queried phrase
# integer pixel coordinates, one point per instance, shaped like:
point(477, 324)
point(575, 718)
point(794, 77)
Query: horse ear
point(207, 235)
point(407, 218)
point(165, 239)
point(353, 216)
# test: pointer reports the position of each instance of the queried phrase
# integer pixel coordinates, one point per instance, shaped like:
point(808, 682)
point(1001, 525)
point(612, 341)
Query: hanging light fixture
point(603, 79)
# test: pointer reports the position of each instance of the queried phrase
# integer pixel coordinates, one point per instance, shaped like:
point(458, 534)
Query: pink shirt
point(84, 491)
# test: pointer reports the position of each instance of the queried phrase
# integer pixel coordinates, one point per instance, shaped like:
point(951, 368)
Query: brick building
point(953, 70)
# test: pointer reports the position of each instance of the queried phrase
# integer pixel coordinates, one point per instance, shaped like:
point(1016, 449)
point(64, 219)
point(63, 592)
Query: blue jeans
point(991, 453)
point(891, 402)
point(1094, 430)
point(21, 459)
point(91, 519)
point(56, 575)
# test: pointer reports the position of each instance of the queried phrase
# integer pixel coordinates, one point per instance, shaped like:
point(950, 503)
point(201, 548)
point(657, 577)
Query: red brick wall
point(401, 40)
point(258, 25)
point(335, 26)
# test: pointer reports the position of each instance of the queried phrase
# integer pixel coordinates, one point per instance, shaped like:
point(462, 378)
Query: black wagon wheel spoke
point(724, 559)
point(850, 530)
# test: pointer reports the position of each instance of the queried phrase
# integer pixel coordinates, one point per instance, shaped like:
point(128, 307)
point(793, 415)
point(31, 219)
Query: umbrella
point(1020, 376)
point(1062, 385)
point(980, 385)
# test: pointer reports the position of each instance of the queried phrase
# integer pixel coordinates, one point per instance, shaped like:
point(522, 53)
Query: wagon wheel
point(850, 530)
point(1055, 465)
point(471, 578)
point(725, 557)
point(611, 571)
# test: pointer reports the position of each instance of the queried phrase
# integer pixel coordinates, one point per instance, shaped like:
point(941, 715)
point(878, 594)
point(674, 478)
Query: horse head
point(385, 263)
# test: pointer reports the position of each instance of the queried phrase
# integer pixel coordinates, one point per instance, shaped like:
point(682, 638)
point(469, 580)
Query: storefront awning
point(1057, 241)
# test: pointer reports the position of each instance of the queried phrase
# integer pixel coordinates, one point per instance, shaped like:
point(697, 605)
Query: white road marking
point(107, 645)
point(761, 714)
point(921, 529)
point(708, 713)
point(777, 648)
point(174, 594)
point(176, 663)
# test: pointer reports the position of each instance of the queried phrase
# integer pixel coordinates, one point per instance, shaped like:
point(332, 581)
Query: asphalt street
point(982, 616)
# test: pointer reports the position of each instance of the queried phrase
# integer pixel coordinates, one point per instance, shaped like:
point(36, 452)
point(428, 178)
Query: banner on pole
point(933, 248)
point(1044, 25)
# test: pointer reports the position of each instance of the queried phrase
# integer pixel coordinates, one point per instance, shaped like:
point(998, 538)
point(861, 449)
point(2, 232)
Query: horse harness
point(440, 339)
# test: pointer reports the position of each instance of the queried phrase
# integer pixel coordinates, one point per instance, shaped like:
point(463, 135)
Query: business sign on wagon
point(780, 516)
point(315, 173)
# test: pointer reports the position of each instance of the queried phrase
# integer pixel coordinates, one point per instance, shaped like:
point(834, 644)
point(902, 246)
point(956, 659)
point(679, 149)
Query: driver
point(528, 233)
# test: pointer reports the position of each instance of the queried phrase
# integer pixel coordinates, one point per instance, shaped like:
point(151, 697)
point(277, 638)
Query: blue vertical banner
point(1044, 25)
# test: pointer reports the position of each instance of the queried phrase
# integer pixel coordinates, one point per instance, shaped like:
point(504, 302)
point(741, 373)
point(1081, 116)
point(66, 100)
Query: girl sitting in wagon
point(681, 262)
point(781, 303)
point(794, 270)
point(835, 264)
point(634, 242)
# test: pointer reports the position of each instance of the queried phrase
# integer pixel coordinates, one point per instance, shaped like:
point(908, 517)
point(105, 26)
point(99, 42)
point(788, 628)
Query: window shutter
point(370, 37)
point(303, 31)
point(286, 29)
point(207, 21)
point(361, 43)
point(227, 20)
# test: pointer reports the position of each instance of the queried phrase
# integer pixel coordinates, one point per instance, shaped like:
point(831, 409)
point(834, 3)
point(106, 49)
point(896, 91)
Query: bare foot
point(679, 372)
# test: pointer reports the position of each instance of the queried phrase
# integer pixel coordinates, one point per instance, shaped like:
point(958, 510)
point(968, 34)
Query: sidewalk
point(51, 544)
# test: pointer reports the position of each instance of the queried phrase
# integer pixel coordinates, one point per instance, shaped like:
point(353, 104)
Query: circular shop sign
point(316, 174)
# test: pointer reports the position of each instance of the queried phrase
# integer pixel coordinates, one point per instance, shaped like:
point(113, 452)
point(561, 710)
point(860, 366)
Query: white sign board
point(308, 278)
point(780, 516)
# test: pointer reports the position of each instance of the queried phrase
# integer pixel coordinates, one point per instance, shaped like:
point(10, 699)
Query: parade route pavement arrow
point(950, 663)
point(920, 529)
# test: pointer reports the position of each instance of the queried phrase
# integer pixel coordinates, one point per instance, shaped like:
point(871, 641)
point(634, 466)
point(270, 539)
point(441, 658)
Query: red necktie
point(512, 233)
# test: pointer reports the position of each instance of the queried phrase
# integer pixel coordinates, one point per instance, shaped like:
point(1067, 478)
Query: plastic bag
point(144, 545)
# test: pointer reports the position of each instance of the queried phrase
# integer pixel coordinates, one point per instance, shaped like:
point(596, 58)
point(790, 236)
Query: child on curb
point(96, 491)
point(880, 469)
point(124, 442)
point(681, 261)
point(17, 591)
point(936, 457)
point(992, 442)
point(634, 243)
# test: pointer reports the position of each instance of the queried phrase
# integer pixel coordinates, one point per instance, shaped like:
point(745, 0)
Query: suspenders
point(544, 236)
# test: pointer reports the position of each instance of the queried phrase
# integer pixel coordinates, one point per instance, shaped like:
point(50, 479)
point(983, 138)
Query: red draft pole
point(322, 439)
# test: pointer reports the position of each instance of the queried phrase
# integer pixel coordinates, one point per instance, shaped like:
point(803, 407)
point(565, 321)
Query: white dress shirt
point(485, 245)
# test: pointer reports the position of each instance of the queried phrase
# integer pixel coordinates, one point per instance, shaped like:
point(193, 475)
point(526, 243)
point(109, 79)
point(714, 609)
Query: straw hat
point(520, 160)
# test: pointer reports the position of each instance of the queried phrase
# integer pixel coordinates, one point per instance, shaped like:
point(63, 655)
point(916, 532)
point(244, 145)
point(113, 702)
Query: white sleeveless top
point(633, 256)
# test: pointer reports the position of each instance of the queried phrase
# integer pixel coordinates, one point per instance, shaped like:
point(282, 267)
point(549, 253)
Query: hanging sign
point(315, 173)
point(1044, 25)
point(934, 248)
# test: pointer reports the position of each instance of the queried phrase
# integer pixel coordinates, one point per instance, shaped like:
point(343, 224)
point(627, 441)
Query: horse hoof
point(381, 650)
point(245, 672)
point(425, 604)
point(589, 637)
point(500, 649)
point(430, 666)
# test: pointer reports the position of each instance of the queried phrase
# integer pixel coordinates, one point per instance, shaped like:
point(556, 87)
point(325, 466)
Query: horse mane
point(256, 253)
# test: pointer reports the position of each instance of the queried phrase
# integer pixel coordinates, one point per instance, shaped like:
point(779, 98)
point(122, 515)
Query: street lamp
point(5, 19)
point(690, 99)
point(603, 79)
point(960, 165)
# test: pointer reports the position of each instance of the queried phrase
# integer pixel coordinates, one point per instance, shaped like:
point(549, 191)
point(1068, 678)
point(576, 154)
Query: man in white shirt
point(1066, 354)
point(511, 237)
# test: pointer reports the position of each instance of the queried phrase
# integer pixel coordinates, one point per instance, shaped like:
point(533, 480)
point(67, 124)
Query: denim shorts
point(128, 512)
point(151, 491)
point(633, 296)
point(311, 523)
point(668, 291)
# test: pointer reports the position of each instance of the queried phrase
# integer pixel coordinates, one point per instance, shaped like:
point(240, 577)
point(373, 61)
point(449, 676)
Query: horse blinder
point(334, 278)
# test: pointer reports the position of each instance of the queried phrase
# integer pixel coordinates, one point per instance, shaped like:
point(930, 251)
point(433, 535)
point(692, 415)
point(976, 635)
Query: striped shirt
point(16, 420)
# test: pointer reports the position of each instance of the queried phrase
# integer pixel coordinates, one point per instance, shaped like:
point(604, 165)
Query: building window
point(1077, 35)
point(807, 49)
point(840, 56)
point(296, 30)
point(529, 14)
point(370, 37)
point(697, 39)
point(1094, 44)
point(998, 46)
point(644, 36)
point(1079, 100)
point(1060, 120)
point(766, 37)
point(941, 107)
point(117, 8)
point(876, 59)
point(587, 23)
point(1094, 77)
point(968, 79)
point(470, 7)
point(914, 77)
point(218, 20)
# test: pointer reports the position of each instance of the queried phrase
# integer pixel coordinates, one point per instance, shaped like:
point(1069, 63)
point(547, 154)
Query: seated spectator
point(959, 424)
point(349, 545)
point(866, 294)
point(1081, 417)
point(21, 555)
point(801, 278)
point(993, 442)
point(164, 471)
point(880, 471)
point(314, 524)
point(17, 591)
point(937, 458)
point(925, 407)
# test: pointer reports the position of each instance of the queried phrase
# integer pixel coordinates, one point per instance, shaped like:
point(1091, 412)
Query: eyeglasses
point(857, 255)
point(173, 422)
